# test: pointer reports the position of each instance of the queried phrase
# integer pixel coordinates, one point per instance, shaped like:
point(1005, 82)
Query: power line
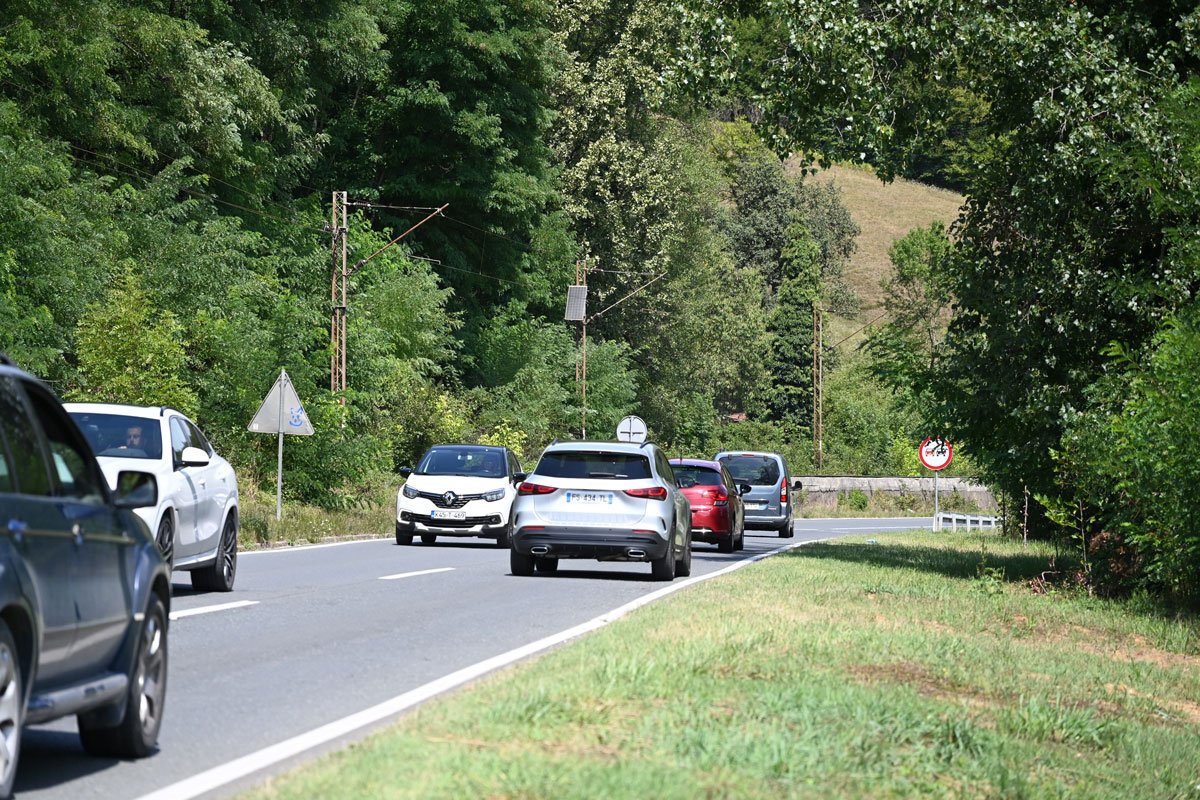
point(860, 330)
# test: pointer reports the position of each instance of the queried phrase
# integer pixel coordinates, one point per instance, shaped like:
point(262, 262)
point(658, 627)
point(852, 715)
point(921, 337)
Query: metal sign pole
point(935, 494)
point(279, 468)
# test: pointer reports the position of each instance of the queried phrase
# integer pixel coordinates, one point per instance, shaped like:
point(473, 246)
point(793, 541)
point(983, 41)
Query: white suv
point(611, 501)
point(458, 490)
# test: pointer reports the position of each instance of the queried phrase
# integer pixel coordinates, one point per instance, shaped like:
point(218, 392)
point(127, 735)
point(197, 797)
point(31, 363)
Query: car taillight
point(783, 493)
point(718, 496)
point(650, 493)
point(533, 488)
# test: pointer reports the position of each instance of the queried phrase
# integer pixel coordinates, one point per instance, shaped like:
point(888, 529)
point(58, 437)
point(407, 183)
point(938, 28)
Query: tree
point(130, 353)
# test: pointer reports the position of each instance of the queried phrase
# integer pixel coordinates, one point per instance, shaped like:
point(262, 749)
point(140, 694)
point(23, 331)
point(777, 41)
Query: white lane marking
point(870, 528)
point(191, 612)
point(412, 574)
point(299, 547)
point(217, 777)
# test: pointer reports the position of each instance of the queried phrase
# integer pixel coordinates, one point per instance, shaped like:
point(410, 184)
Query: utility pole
point(818, 371)
point(339, 288)
point(581, 275)
point(337, 297)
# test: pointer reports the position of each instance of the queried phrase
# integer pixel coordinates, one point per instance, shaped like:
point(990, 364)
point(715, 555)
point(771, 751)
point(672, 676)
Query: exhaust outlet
point(539, 550)
point(635, 553)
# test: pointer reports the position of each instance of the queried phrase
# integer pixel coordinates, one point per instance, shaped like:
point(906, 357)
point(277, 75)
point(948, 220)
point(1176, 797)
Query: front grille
point(469, 522)
point(439, 500)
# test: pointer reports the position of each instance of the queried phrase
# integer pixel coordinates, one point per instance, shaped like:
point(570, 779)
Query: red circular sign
point(935, 453)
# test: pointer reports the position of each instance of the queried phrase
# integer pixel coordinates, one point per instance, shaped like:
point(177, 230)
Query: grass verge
point(923, 665)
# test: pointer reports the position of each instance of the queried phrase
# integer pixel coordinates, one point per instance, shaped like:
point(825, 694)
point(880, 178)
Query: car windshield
point(120, 435)
point(701, 476)
point(479, 462)
point(754, 470)
point(577, 464)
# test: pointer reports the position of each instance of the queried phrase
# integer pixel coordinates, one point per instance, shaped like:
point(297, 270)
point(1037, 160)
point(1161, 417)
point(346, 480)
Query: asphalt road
point(311, 636)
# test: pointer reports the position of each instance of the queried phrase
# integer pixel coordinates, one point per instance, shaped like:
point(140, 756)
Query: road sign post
point(281, 412)
point(935, 453)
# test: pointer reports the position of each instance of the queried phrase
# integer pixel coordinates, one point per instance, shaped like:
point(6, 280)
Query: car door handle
point(17, 528)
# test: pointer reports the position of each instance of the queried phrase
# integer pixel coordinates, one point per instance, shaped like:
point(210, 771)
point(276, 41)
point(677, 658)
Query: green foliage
point(130, 353)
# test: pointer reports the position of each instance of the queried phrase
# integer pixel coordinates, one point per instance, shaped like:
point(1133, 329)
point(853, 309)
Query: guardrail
point(968, 521)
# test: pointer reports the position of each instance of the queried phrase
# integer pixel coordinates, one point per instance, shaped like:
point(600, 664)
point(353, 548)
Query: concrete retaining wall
point(823, 491)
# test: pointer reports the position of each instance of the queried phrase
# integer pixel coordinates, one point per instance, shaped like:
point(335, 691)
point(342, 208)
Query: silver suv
point(769, 502)
point(610, 501)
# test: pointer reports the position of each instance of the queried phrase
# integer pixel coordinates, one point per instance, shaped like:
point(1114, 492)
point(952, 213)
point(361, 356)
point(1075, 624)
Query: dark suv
point(84, 591)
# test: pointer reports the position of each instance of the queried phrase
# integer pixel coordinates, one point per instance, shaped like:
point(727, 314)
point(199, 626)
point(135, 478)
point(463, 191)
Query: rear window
point(619, 466)
point(754, 470)
point(703, 476)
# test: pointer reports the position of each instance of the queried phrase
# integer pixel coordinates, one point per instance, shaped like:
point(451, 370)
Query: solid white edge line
point(414, 574)
point(191, 612)
point(216, 777)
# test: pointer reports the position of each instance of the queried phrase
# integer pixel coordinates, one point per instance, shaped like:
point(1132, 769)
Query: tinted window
point(577, 464)
point(703, 476)
point(754, 470)
point(181, 437)
point(480, 462)
point(30, 466)
point(72, 462)
point(120, 435)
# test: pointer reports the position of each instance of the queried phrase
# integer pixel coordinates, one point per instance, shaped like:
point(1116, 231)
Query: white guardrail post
point(968, 521)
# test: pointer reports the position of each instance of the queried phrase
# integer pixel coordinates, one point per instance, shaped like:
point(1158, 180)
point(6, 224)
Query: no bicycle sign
point(935, 453)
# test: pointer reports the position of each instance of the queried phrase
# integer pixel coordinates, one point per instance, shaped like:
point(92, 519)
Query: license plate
point(447, 514)
point(756, 506)
point(590, 498)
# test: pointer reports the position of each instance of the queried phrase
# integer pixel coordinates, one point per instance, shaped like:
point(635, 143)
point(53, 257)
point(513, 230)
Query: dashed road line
point(191, 612)
point(400, 575)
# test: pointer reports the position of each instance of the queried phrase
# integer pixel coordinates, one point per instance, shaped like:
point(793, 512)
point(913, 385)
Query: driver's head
point(133, 436)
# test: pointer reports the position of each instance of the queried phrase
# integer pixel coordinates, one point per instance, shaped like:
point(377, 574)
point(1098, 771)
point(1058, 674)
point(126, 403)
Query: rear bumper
point(602, 544)
point(767, 517)
point(712, 525)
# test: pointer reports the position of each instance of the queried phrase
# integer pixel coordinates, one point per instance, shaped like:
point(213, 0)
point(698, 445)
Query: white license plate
point(590, 498)
point(756, 506)
point(448, 514)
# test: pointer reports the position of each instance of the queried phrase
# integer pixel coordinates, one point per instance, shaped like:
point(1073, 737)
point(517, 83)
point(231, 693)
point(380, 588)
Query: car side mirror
point(406, 471)
point(194, 457)
point(744, 488)
point(519, 476)
point(136, 490)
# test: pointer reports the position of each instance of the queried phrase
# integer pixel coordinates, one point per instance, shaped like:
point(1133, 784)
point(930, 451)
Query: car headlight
point(493, 496)
point(410, 492)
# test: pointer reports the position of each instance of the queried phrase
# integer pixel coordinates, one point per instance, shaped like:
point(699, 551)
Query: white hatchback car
point(196, 520)
point(458, 490)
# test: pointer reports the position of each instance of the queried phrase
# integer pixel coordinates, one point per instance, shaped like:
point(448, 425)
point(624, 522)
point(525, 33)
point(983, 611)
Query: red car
point(718, 515)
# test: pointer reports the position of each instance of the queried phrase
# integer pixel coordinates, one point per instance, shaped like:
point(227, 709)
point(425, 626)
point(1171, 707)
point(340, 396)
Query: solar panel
point(576, 304)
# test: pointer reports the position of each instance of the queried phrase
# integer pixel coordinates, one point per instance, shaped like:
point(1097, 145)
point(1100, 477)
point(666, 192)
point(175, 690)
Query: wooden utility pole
point(818, 371)
point(337, 297)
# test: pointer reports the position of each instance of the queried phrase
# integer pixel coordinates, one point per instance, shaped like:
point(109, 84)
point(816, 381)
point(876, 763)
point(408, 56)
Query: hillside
point(884, 212)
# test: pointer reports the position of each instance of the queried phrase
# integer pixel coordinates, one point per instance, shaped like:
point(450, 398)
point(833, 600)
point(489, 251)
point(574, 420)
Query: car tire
point(165, 539)
point(505, 538)
point(12, 709)
point(520, 563)
point(136, 735)
point(683, 567)
point(219, 576)
point(428, 538)
point(785, 530)
point(663, 568)
point(741, 537)
point(403, 538)
point(545, 564)
point(730, 544)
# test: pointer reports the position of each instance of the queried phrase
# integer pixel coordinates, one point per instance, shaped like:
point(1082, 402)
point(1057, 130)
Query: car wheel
point(220, 575)
point(741, 537)
point(403, 537)
point(428, 538)
point(730, 544)
point(136, 735)
point(12, 710)
point(520, 563)
point(683, 567)
point(785, 530)
point(545, 564)
point(663, 568)
point(505, 537)
point(165, 539)
point(789, 530)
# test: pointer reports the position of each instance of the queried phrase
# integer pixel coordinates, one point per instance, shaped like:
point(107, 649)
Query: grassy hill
point(884, 212)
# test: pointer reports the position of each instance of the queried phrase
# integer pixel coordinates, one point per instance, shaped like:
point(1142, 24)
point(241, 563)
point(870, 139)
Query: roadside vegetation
point(912, 665)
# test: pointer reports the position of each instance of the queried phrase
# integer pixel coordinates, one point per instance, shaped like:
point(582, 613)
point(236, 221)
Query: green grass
point(304, 524)
point(921, 666)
